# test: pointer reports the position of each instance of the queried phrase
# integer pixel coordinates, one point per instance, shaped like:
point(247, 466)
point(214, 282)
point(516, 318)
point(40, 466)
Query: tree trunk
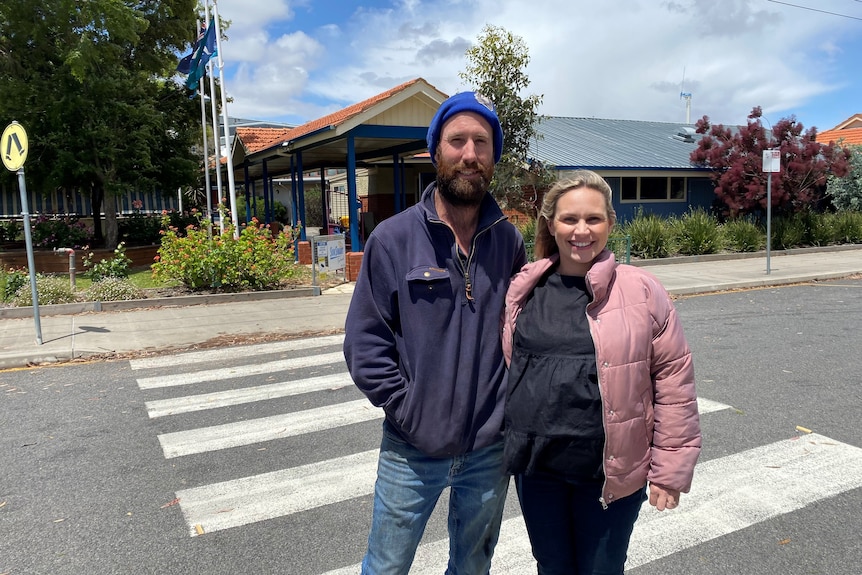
point(111, 228)
point(97, 194)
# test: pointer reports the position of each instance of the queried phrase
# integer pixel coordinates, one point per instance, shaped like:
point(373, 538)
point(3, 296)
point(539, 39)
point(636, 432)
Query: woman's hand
point(662, 498)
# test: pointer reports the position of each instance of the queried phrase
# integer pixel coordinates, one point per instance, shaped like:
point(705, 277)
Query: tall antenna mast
point(686, 96)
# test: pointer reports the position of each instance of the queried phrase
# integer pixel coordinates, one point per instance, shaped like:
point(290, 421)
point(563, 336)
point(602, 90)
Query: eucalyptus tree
point(496, 67)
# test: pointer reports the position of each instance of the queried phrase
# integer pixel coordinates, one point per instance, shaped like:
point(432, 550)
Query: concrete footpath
point(205, 321)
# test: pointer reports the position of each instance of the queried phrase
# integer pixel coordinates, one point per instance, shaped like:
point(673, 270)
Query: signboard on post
point(328, 256)
point(13, 149)
point(771, 161)
point(771, 164)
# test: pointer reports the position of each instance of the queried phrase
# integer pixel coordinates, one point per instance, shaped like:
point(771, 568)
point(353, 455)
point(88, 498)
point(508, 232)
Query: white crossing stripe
point(278, 493)
point(728, 494)
point(221, 374)
point(734, 492)
point(241, 433)
point(217, 399)
point(220, 354)
point(709, 406)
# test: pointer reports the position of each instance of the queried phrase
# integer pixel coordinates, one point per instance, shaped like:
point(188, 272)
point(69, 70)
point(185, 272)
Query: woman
point(601, 397)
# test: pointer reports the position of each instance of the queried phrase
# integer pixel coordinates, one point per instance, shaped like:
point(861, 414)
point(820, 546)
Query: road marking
point(215, 400)
point(734, 492)
point(221, 354)
point(729, 493)
point(709, 406)
point(278, 493)
point(221, 374)
point(241, 433)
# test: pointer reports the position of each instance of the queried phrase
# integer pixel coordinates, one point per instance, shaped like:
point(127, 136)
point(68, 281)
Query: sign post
point(771, 163)
point(13, 149)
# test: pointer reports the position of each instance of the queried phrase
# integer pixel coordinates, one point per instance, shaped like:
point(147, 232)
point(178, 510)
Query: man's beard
point(459, 192)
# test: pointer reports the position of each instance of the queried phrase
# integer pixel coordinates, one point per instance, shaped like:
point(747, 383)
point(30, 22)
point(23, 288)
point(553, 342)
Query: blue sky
point(296, 60)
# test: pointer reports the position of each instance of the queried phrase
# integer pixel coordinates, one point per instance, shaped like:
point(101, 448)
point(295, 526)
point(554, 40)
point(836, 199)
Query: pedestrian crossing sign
point(13, 146)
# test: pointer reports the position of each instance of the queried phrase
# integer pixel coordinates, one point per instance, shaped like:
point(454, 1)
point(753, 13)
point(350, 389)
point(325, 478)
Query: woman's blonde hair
point(545, 245)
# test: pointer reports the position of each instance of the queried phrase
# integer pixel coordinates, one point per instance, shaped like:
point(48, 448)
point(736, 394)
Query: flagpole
point(216, 144)
point(230, 176)
point(206, 157)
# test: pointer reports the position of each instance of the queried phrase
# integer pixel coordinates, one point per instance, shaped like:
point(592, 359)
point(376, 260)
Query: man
point(422, 341)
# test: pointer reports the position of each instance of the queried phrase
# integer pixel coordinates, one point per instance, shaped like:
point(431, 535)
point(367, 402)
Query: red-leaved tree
point(735, 156)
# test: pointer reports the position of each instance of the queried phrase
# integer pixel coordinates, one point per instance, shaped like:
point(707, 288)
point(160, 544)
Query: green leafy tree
point(496, 67)
point(735, 156)
point(846, 192)
point(90, 81)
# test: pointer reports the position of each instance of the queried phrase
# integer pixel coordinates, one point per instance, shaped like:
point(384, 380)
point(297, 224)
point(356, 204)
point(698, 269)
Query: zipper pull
point(469, 286)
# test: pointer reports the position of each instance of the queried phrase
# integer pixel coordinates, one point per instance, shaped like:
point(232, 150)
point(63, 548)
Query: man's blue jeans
point(408, 486)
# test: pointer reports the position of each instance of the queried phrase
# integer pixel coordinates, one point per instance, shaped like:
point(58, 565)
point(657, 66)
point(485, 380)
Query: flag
point(205, 49)
point(185, 65)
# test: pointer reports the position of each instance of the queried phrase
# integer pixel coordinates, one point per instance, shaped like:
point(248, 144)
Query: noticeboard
point(328, 255)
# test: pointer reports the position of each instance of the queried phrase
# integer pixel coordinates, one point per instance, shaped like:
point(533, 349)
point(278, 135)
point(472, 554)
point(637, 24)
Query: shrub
point(848, 226)
point(697, 232)
point(9, 231)
point(788, 232)
point(60, 232)
point(820, 228)
point(50, 290)
point(651, 237)
point(846, 192)
point(114, 267)
point(11, 281)
point(528, 232)
point(743, 235)
point(253, 261)
point(139, 229)
point(113, 289)
point(279, 210)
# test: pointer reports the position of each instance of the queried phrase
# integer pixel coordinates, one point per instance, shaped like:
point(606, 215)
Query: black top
point(553, 408)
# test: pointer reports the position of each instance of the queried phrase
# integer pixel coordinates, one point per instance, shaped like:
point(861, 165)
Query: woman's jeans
point(408, 486)
point(570, 532)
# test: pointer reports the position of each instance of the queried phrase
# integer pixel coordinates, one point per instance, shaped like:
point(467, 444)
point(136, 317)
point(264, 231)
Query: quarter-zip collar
point(490, 214)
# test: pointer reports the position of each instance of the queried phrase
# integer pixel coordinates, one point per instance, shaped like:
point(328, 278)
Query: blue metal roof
point(614, 144)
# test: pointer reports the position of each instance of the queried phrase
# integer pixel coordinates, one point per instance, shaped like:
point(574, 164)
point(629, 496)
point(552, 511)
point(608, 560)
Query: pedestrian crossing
point(729, 493)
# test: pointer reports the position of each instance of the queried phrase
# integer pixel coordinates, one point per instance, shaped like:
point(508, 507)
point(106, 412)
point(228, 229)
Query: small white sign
point(330, 253)
point(771, 160)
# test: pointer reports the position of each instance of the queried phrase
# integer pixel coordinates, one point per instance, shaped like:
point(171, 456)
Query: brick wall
point(354, 262)
point(305, 253)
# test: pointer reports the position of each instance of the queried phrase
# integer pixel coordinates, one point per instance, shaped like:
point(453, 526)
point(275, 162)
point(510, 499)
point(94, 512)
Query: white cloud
point(619, 60)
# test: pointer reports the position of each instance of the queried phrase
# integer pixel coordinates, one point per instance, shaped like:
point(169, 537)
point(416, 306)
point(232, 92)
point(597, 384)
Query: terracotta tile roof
point(257, 139)
point(848, 132)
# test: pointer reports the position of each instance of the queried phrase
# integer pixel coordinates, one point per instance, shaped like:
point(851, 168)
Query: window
point(628, 189)
point(651, 188)
point(677, 188)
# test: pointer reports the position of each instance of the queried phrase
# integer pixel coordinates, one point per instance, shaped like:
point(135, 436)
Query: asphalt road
point(93, 457)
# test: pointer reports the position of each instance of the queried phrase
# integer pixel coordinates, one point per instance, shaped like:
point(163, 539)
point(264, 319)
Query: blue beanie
point(465, 102)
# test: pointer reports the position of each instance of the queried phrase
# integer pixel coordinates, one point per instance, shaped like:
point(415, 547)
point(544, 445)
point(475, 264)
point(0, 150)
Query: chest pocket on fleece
point(429, 283)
